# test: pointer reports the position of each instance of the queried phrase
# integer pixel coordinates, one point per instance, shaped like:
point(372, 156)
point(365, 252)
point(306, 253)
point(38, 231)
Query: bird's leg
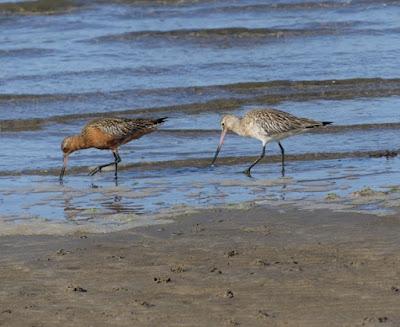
point(64, 167)
point(283, 158)
point(61, 175)
point(117, 160)
point(247, 171)
point(99, 168)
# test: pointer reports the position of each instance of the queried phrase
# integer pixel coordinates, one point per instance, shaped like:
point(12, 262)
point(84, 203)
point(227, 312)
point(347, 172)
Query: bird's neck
point(78, 142)
point(237, 127)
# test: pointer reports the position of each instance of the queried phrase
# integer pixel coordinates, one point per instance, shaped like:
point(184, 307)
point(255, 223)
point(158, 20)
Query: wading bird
point(107, 134)
point(266, 125)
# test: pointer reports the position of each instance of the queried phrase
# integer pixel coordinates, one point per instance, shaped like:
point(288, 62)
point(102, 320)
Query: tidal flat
point(253, 266)
point(176, 242)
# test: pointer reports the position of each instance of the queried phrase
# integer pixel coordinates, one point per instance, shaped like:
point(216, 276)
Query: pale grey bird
point(266, 125)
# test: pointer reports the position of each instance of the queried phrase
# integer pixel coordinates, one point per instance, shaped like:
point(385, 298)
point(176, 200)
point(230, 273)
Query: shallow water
point(95, 204)
point(63, 63)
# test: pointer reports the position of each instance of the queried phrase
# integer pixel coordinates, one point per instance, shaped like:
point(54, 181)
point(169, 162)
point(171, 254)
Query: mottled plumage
point(107, 133)
point(122, 129)
point(266, 125)
point(275, 123)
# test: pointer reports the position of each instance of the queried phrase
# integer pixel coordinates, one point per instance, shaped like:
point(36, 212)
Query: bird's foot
point(95, 171)
point(247, 173)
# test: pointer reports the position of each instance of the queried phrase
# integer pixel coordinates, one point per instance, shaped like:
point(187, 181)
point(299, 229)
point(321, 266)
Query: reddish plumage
point(107, 134)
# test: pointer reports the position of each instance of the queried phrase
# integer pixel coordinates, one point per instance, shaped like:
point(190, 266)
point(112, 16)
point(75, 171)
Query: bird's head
point(229, 123)
point(66, 145)
point(71, 144)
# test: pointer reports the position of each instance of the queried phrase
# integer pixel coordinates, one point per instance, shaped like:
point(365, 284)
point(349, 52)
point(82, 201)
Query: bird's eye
point(222, 124)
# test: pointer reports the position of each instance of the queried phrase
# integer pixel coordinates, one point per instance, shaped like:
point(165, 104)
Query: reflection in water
point(69, 210)
point(283, 193)
point(77, 208)
point(149, 193)
point(116, 204)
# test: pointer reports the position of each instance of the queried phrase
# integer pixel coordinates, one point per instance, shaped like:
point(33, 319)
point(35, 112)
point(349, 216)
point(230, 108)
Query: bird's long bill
point(64, 167)
point(221, 141)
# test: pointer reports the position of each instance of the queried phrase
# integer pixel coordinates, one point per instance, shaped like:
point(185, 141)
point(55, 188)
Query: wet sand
point(218, 267)
point(194, 61)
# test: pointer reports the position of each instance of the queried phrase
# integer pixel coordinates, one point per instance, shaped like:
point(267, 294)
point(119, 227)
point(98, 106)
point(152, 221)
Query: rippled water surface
point(65, 62)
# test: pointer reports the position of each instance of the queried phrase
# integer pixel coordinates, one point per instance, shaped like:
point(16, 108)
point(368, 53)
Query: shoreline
point(252, 267)
point(205, 162)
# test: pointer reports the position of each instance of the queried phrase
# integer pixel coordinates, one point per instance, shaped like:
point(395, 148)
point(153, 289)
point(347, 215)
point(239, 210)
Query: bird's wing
point(121, 128)
point(274, 121)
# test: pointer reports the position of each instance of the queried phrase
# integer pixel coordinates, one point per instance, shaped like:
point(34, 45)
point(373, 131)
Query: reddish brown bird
point(107, 134)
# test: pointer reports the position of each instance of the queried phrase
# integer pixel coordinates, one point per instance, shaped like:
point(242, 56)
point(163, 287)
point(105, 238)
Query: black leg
point(115, 162)
point(64, 167)
point(283, 158)
point(247, 171)
point(99, 168)
point(62, 175)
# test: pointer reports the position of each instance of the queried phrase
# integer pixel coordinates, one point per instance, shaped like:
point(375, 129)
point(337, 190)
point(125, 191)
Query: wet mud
point(173, 236)
point(278, 267)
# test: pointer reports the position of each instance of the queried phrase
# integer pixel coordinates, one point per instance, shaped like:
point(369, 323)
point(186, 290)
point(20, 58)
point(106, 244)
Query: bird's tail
point(160, 120)
point(314, 124)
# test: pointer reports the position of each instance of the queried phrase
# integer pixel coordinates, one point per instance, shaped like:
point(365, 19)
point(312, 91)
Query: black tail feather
point(160, 120)
point(324, 123)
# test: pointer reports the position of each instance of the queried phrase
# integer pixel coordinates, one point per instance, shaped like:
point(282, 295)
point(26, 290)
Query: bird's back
point(111, 132)
point(275, 122)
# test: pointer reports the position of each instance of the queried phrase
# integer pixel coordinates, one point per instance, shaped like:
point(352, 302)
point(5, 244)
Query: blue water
point(187, 60)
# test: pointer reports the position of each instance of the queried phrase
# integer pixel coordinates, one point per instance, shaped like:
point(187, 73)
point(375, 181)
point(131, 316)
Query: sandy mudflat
point(220, 267)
